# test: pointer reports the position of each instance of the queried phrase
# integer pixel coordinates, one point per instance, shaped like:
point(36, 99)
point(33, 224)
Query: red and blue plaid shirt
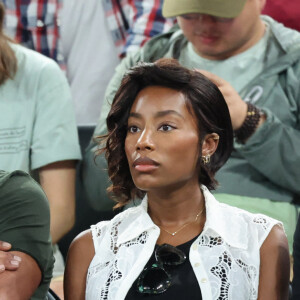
point(34, 24)
point(133, 22)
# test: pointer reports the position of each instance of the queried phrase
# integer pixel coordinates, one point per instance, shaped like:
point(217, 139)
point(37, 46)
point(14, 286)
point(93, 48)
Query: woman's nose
point(145, 141)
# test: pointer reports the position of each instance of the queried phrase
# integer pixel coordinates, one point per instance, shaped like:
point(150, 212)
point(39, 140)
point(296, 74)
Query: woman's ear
point(210, 144)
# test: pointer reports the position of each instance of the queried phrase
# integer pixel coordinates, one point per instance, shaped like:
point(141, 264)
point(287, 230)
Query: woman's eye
point(133, 129)
point(166, 127)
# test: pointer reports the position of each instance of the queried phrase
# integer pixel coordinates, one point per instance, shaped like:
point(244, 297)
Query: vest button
point(203, 280)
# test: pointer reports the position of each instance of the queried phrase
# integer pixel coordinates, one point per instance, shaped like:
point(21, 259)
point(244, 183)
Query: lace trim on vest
point(115, 273)
point(227, 264)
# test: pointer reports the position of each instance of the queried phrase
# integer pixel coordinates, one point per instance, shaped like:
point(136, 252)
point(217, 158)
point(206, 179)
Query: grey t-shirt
point(37, 122)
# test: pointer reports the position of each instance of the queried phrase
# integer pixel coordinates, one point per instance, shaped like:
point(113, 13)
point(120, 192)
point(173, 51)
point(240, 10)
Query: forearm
point(251, 122)
point(279, 143)
point(20, 284)
point(58, 182)
point(61, 221)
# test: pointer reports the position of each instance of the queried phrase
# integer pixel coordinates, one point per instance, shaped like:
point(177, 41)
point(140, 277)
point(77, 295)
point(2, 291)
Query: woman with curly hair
point(169, 132)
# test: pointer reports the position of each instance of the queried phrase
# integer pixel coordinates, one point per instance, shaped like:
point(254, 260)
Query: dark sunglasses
point(155, 279)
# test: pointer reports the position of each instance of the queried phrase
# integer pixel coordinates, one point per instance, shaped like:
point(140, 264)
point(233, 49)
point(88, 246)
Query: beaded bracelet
point(250, 124)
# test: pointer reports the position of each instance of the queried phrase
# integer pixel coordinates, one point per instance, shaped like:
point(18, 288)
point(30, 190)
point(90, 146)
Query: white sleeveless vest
point(225, 257)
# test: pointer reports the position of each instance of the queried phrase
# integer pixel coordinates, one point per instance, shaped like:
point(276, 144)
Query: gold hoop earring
point(206, 159)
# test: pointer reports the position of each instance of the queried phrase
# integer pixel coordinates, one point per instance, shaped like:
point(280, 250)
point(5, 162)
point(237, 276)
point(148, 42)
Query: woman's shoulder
point(82, 242)
point(256, 218)
point(237, 226)
point(257, 225)
point(229, 215)
point(82, 246)
point(30, 57)
point(121, 221)
point(125, 215)
point(251, 219)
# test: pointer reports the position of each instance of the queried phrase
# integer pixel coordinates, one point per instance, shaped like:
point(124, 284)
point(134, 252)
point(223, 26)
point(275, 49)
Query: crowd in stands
point(68, 64)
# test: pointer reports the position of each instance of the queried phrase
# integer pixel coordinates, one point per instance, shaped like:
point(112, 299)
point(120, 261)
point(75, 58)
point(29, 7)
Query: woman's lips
point(145, 168)
point(145, 164)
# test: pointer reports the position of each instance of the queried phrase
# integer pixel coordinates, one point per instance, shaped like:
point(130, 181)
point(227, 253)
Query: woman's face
point(162, 142)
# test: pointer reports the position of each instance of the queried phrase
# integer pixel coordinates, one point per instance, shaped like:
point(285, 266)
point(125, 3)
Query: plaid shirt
point(34, 24)
point(133, 22)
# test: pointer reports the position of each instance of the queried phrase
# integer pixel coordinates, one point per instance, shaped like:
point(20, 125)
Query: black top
point(184, 282)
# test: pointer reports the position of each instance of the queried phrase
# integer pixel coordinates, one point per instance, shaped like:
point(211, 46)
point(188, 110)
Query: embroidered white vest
point(225, 257)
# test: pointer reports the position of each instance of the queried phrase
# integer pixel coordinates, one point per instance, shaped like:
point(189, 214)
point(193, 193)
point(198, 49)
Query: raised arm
point(274, 267)
point(277, 136)
point(80, 255)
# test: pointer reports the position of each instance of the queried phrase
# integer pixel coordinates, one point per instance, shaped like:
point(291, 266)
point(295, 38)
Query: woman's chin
point(147, 186)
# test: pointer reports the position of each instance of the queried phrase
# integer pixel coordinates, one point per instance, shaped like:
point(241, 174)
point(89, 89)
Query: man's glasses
point(155, 279)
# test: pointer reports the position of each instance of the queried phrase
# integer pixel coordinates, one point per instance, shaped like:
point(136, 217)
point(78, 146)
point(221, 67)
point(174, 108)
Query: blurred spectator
point(38, 129)
point(95, 35)
point(26, 264)
point(286, 12)
point(34, 24)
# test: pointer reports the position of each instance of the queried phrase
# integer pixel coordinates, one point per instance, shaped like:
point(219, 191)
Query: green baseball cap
point(218, 8)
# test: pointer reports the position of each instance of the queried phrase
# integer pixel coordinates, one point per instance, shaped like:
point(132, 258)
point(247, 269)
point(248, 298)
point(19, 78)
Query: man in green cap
point(255, 62)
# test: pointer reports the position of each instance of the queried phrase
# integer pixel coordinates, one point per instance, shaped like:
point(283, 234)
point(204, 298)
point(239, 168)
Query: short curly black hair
point(204, 100)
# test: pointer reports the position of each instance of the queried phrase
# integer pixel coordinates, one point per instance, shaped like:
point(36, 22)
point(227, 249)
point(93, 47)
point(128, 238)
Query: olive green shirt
point(25, 222)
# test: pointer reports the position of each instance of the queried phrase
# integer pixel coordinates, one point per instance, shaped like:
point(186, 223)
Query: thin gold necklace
point(183, 226)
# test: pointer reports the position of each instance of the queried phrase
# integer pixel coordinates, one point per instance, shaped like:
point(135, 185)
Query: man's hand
point(8, 261)
point(237, 107)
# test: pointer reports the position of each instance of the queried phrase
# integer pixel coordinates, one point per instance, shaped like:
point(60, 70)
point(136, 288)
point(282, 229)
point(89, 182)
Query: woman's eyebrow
point(168, 112)
point(158, 114)
point(135, 115)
